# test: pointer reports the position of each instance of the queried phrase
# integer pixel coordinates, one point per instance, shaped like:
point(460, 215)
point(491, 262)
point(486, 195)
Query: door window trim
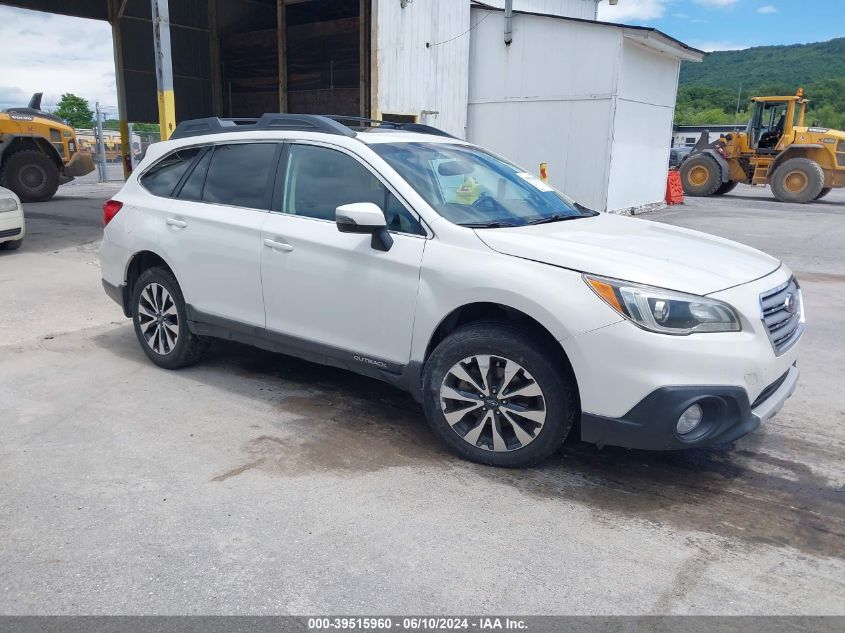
point(279, 186)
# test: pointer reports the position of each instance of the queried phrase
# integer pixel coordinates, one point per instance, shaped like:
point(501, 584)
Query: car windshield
point(474, 188)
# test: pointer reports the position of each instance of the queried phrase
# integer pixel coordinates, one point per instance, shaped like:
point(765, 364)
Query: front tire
point(31, 174)
point(11, 245)
point(798, 180)
point(726, 187)
point(700, 175)
point(823, 193)
point(496, 397)
point(161, 322)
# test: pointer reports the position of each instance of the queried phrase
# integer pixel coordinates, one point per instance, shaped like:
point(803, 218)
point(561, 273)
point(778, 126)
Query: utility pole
point(164, 68)
point(101, 146)
point(738, 98)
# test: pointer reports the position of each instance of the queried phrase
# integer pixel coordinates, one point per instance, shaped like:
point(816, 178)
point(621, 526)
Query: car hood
point(636, 250)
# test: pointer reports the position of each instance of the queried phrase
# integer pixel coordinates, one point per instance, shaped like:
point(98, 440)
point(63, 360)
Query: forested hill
point(708, 91)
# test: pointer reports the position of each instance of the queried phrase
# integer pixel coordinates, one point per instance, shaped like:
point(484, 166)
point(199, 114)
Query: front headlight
point(665, 311)
point(8, 204)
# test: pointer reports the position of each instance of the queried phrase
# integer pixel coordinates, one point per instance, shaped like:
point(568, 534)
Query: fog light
point(690, 419)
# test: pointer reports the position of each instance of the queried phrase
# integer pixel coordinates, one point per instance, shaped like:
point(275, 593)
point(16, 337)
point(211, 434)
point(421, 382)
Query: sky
point(55, 54)
point(734, 24)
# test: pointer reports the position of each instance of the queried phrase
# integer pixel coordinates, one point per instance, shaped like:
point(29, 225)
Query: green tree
point(75, 111)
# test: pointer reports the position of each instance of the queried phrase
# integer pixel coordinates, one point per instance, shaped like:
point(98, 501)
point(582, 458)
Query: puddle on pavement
point(348, 424)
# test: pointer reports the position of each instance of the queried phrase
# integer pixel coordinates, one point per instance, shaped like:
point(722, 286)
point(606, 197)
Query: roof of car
point(367, 130)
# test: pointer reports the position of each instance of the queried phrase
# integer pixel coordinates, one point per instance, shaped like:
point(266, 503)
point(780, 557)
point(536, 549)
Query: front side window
point(241, 175)
point(161, 178)
point(319, 179)
point(471, 187)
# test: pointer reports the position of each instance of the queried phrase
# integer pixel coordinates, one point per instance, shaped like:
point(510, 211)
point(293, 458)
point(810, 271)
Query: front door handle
point(179, 224)
point(280, 247)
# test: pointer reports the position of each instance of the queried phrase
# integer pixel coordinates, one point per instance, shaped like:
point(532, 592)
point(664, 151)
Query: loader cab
point(772, 119)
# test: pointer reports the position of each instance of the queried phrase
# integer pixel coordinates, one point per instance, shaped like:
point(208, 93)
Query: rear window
point(240, 175)
point(163, 177)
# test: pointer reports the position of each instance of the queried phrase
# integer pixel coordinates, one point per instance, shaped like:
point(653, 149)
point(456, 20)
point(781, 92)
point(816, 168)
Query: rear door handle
point(179, 224)
point(280, 247)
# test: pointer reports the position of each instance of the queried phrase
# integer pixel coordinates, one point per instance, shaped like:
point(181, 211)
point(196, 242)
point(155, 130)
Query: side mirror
point(364, 217)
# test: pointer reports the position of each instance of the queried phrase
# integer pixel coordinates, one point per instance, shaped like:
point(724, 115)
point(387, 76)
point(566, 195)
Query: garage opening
point(303, 56)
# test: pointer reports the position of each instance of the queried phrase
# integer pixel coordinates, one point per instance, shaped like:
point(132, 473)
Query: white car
point(12, 224)
point(513, 313)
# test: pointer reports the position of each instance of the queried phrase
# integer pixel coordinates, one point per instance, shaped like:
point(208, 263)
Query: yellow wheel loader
point(800, 163)
point(38, 152)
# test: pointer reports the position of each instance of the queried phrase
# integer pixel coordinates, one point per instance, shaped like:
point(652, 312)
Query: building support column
point(282, 46)
point(116, 8)
point(164, 68)
point(214, 50)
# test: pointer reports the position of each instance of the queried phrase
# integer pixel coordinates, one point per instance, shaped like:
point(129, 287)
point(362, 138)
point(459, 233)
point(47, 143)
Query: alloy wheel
point(158, 318)
point(493, 403)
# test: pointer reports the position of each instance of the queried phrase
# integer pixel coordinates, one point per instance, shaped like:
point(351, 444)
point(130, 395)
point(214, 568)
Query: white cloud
point(717, 45)
point(767, 9)
point(54, 54)
point(716, 3)
point(632, 10)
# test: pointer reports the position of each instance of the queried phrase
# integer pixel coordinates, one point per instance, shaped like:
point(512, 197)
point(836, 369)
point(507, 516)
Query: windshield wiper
point(486, 225)
point(557, 217)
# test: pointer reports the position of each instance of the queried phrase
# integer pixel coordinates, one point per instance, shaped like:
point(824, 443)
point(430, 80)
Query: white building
point(593, 100)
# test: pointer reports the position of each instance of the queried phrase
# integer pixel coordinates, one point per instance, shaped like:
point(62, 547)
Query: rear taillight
point(110, 209)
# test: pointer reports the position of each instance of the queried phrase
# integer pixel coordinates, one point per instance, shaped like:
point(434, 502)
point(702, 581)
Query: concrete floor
point(256, 483)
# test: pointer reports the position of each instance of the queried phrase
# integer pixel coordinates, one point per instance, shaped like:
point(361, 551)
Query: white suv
point(511, 312)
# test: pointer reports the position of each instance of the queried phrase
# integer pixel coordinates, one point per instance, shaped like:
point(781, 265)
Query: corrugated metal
point(548, 97)
point(584, 9)
point(411, 77)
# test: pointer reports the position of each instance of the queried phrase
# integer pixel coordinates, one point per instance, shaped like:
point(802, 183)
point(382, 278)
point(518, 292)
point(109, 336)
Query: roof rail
point(280, 122)
point(393, 125)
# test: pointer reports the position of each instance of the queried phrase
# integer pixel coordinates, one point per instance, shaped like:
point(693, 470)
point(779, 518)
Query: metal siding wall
point(413, 78)
point(584, 9)
point(531, 105)
point(642, 127)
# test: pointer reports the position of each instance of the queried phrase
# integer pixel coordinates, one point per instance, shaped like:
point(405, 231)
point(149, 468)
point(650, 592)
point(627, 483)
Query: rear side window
point(192, 189)
point(162, 177)
point(240, 175)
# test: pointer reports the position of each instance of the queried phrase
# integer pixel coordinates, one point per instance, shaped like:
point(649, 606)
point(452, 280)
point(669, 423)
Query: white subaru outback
point(513, 313)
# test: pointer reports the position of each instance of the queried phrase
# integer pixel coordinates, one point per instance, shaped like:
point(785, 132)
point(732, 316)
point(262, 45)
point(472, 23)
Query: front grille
point(10, 232)
point(782, 314)
point(768, 391)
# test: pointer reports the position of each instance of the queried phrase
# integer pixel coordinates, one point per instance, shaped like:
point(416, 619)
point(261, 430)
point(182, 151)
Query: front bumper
point(12, 225)
point(728, 415)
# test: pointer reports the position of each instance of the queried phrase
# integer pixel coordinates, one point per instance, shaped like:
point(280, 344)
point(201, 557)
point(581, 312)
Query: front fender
point(724, 168)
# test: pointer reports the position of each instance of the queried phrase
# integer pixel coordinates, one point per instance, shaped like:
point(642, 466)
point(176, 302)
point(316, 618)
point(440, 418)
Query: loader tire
point(31, 174)
point(701, 176)
point(726, 187)
point(798, 180)
point(823, 193)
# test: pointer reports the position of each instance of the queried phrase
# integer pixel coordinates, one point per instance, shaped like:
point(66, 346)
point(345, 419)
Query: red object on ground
point(674, 189)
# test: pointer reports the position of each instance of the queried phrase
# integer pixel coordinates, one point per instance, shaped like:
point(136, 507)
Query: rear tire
point(700, 175)
point(161, 321)
point(31, 174)
point(798, 180)
point(726, 187)
point(824, 192)
point(518, 414)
